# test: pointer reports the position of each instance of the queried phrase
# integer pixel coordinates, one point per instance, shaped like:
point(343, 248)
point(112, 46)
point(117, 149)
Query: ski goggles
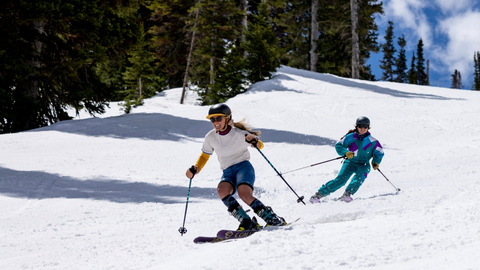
point(216, 119)
point(363, 126)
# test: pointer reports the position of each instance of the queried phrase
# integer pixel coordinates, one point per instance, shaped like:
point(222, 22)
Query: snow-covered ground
point(110, 192)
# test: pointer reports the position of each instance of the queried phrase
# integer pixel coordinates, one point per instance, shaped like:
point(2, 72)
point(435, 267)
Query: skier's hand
point(251, 139)
point(349, 154)
point(375, 165)
point(192, 171)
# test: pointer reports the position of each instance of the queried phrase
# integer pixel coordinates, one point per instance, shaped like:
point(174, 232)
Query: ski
point(224, 235)
point(207, 239)
point(232, 235)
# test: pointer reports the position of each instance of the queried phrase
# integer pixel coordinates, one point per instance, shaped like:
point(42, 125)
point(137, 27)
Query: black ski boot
point(246, 223)
point(249, 225)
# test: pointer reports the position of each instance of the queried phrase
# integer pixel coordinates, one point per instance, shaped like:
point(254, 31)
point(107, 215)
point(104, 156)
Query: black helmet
point(363, 120)
point(219, 110)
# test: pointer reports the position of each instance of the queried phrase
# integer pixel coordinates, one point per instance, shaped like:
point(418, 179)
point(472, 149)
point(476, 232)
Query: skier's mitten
point(349, 154)
point(375, 165)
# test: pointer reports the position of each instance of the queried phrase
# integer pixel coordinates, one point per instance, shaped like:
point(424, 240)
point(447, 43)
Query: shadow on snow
point(42, 185)
point(276, 82)
point(158, 126)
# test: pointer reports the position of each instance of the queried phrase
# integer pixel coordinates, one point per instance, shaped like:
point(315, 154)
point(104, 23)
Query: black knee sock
point(229, 200)
point(256, 204)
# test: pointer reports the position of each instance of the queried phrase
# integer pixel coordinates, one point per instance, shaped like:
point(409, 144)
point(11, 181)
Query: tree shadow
point(353, 83)
point(280, 136)
point(148, 126)
point(274, 85)
point(42, 185)
point(158, 126)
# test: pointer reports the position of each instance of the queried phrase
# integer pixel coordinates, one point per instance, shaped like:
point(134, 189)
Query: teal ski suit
point(364, 147)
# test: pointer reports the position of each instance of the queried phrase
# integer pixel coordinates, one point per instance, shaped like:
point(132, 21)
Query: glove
point(253, 141)
point(349, 154)
point(191, 172)
point(375, 165)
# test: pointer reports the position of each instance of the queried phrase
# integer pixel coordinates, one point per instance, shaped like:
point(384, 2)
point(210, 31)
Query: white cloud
point(453, 6)
point(448, 29)
point(411, 20)
point(403, 10)
point(463, 41)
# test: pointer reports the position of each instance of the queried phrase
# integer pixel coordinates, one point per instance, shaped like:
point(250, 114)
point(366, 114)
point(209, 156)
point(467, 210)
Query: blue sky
point(448, 28)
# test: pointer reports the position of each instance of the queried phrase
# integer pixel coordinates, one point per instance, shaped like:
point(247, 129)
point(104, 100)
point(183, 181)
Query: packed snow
point(110, 192)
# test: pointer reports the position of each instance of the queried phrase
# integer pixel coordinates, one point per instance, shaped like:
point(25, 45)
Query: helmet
point(219, 110)
point(363, 120)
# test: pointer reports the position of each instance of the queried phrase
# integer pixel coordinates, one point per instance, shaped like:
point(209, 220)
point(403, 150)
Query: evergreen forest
point(62, 54)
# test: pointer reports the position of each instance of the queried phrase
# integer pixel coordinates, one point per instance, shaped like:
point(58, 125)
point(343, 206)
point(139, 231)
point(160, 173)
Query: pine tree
point(292, 24)
point(368, 11)
point(428, 72)
point(401, 62)
point(388, 61)
point(261, 46)
point(167, 24)
point(456, 80)
point(367, 74)
point(412, 72)
point(235, 72)
point(420, 65)
point(218, 24)
point(230, 77)
point(50, 52)
point(140, 76)
point(314, 36)
point(476, 71)
point(335, 40)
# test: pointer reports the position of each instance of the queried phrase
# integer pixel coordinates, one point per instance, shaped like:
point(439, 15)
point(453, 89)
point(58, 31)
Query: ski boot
point(249, 225)
point(267, 214)
point(316, 197)
point(346, 197)
point(245, 222)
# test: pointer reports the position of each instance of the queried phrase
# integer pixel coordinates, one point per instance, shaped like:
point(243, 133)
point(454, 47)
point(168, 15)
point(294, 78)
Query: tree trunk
point(189, 59)
point(244, 22)
point(212, 67)
point(139, 86)
point(314, 38)
point(212, 58)
point(355, 47)
point(33, 87)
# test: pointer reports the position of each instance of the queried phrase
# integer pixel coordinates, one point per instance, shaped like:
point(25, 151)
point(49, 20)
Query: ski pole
point(182, 229)
point(313, 165)
point(388, 180)
point(300, 199)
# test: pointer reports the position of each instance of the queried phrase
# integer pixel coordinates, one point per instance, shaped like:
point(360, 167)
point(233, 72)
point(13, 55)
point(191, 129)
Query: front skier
point(231, 140)
point(358, 146)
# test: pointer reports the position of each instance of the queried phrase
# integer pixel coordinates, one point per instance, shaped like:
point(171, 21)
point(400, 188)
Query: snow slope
point(110, 192)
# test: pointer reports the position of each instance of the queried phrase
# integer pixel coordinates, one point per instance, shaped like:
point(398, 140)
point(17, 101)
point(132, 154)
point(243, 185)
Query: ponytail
point(350, 131)
point(244, 126)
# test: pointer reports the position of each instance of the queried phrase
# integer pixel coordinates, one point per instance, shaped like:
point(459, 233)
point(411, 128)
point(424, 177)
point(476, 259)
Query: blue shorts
point(239, 174)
